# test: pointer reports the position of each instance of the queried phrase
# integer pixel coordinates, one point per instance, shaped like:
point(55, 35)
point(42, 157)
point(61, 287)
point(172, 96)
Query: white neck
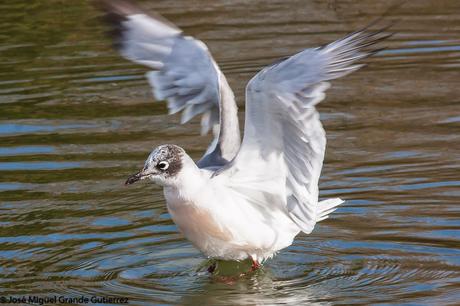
point(188, 182)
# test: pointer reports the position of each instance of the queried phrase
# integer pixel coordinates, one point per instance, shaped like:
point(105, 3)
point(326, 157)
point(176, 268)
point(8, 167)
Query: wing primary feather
point(185, 74)
point(281, 99)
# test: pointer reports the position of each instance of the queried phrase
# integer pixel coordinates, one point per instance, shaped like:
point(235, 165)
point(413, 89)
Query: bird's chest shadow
point(197, 223)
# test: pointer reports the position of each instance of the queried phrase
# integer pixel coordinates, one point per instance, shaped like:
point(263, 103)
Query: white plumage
point(247, 199)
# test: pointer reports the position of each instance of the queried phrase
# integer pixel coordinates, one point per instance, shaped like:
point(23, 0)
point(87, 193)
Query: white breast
point(227, 227)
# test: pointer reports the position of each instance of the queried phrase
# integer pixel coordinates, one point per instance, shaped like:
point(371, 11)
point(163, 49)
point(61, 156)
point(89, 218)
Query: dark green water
point(76, 119)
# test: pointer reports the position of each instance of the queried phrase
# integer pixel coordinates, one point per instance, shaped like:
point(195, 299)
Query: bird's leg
point(255, 264)
point(212, 267)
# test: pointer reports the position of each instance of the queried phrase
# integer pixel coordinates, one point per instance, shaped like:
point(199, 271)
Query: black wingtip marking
point(118, 7)
point(116, 12)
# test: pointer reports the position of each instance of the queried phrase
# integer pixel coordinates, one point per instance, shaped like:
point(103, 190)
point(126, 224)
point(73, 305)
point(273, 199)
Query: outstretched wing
point(284, 142)
point(185, 74)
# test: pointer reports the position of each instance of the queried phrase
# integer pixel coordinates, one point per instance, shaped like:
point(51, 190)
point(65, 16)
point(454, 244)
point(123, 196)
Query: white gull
point(244, 199)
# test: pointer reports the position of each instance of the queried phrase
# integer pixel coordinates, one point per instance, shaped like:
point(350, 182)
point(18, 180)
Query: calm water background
point(76, 119)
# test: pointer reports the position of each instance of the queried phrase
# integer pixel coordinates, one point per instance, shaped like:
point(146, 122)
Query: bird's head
point(162, 166)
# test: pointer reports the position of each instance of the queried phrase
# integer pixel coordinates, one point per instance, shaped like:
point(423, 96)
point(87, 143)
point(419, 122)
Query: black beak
point(134, 178)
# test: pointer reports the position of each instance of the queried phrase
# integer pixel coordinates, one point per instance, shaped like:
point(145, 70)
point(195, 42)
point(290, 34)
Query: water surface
point(76, 119)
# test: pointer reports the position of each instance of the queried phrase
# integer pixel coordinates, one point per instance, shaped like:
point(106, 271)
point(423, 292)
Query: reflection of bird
point(249, 199)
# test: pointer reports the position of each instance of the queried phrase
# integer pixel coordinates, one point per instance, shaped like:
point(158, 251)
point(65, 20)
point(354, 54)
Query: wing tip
point(118, 7)
point(125, 8)
point(115, 12)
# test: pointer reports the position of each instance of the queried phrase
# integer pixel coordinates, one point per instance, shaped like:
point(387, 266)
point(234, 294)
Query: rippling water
point(76, 119)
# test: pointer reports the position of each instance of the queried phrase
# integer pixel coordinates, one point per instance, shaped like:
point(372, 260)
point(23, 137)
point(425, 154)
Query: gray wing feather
point(283, 132)
point(185, 75)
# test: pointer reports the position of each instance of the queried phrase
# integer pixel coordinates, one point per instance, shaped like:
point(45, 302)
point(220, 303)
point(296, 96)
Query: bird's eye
point(163, 165)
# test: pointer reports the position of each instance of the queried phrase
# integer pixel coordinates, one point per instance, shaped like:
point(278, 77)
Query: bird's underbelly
point(199, 226)
point(219, 239)
point(198, 223)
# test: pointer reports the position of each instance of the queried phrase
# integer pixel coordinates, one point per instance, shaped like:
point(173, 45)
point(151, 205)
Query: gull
point(244, 198)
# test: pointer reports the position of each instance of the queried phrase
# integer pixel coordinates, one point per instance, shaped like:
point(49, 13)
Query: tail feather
point(326, 207)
